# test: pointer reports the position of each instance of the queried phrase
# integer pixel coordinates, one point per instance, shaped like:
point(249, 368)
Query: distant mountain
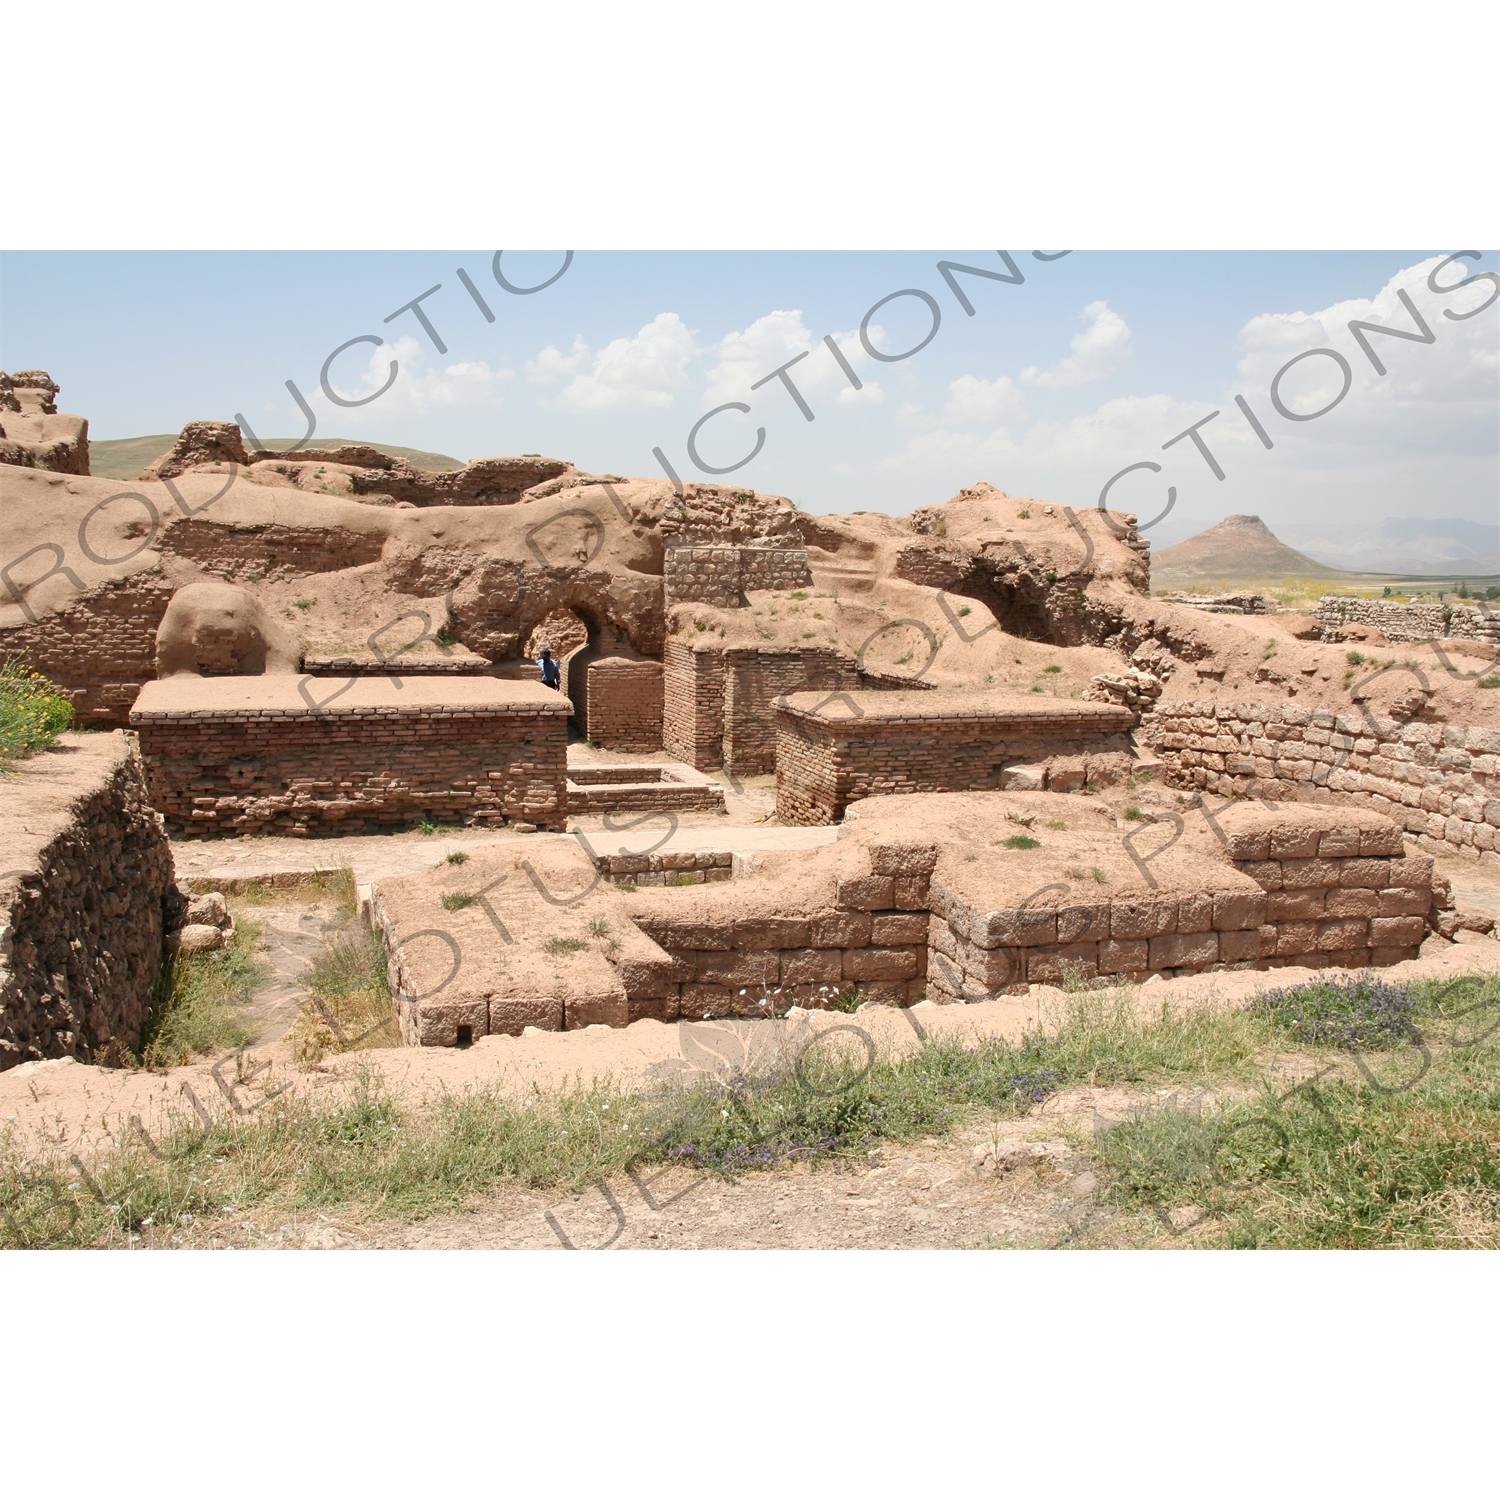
point(1405, 544)
point(1238, 547)
point(124, 458)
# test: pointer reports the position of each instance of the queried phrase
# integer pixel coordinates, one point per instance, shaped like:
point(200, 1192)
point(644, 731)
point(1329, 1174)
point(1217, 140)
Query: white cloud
point(421, 387)
point(768, 343)
point(1098, 351)
point(634, 374)
point(982, 403)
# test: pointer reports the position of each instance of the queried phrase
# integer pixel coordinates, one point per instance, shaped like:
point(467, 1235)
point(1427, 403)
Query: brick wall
point(100, 649)
point(247, 755)
point(754, 679)
point(693, 705)
point(1440, 782)
point(254, 552)
point(873, 934)
point(617, 700)
point(826, 760)
point(718, 704)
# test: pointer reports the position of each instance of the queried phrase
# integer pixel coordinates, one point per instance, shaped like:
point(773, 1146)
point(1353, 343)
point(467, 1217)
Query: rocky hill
point(1238, 547)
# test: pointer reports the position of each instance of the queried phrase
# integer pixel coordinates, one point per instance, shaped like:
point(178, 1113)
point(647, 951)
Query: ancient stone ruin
point(316, 644)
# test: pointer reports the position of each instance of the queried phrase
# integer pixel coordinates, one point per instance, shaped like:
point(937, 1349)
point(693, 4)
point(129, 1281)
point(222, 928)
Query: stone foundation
point(86, 871)
point(1330, 889)
point(834, 750)
point(953, 917)
point(724, 575)
point(1398, 621)
point(310, 756)
point(1440, 782)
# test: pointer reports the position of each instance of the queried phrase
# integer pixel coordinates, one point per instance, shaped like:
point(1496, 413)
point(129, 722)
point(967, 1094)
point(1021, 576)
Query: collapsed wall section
point(314, 755)
point(87, 869)
point(837, 749)
point(1440, 782)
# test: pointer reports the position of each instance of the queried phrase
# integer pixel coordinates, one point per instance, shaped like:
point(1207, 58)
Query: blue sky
point(1090, 364)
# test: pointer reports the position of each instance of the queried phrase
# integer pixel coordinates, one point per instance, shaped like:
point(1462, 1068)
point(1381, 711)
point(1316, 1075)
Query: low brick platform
point(637, 788)
point(834, 749)
point(308, 755)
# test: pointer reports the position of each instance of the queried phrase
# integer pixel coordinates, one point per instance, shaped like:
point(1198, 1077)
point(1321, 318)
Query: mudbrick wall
point(249, 755)
point(718, 703)
point(100, 649)
point(1440, 782)
point(1409, 622)
point(826, 760)
point(723, 575)
point(80, 903)
point(250, 552)
point(617, 701)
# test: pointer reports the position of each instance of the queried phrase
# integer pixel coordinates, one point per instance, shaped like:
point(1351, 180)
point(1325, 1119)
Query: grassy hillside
point(124, 458)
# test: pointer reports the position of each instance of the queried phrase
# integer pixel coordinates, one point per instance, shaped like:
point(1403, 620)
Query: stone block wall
point(723, 575)
point(100, 650)
point(617, 701)
point(81, 909)
point(248, 755)
point(1440, 782)
point(827, 759)
point(700, 867)
point(1345, 897)
point(874, 935)
point(1398, 621)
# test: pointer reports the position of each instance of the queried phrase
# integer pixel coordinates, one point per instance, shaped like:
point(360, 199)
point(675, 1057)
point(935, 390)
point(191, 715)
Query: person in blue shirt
point(551, 673)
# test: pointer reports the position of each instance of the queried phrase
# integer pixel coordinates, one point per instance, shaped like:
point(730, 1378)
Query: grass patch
point(32, 712)
point(558, 947)
point(1021, 841)
point(1359, 1011)
point(1133, 815)
point(351, 1007)
point(457, 857)
point(194, 1007)
point(457, 900)
point(1398, 1146)
point(1408, 1155)
point(306, 886)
